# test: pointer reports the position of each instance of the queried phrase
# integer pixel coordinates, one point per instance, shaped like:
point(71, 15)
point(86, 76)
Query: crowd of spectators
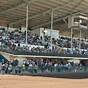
point(12, 42)
point(41, 66)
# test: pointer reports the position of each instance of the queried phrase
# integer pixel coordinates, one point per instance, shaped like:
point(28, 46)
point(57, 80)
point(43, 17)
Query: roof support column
point(52, 20)
point(71, 38)
point(80, 41)
point(27, 23)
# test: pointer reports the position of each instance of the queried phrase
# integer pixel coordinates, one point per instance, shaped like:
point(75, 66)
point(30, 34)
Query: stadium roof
point(13, 12)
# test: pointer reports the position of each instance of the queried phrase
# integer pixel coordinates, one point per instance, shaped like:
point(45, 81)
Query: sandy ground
point(7, 81)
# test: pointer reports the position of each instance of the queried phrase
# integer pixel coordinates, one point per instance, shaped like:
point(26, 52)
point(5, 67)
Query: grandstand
point(43, 36)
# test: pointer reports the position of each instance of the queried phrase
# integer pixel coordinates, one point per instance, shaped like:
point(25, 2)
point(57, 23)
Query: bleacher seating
point(14, 42)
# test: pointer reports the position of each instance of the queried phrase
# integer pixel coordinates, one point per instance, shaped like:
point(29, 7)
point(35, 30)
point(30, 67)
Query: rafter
point(63, 17)
point(39, 14)
point(12, 8)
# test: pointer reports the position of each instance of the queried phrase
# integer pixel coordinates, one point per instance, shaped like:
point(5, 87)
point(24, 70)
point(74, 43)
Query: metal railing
point(39, 53)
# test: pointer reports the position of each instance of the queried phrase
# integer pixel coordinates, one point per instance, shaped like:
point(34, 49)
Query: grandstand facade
point(44, 35)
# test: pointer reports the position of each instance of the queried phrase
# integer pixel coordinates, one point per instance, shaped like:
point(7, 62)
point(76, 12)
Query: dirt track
point(41, 82)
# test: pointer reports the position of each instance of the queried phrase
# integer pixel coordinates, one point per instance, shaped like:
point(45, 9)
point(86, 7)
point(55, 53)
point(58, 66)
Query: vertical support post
point(80, 40)
point(8, 28)
point(71, 38)
point(27, 24)
point(52, 18)
point(80, 37)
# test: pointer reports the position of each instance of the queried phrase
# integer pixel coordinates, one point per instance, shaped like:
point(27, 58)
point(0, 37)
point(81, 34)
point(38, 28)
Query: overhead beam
point(64, 17)
point(23, 3)
point(37, 15)
point(17, 6)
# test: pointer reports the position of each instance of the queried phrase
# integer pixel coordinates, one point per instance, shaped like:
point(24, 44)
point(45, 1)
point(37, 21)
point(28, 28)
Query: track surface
point(7, 81)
